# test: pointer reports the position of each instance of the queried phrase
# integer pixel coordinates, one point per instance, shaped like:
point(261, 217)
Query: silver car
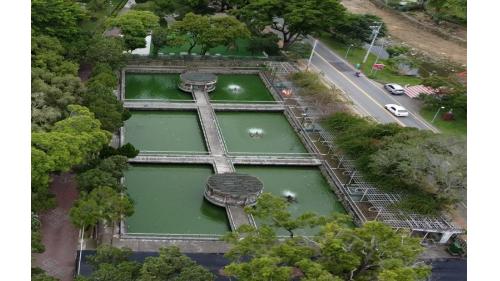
point(394, 89)
point(396, 110)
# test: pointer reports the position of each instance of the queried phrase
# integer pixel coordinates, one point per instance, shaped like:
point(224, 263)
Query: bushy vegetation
point(429, 168)
point(355, 28)
point(397, 50)
point(449, 10)
point(310, 84)
point(169, 265)
point(264, 43)
point(451, 94)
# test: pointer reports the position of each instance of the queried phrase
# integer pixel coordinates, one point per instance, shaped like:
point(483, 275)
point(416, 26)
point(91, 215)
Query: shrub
point(266, 43)
point(397, 50)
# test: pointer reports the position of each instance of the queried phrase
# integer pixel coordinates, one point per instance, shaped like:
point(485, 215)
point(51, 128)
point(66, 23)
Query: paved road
point(368, 96)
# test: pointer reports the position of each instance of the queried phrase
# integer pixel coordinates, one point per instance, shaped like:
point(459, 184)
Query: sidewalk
point(59, 236)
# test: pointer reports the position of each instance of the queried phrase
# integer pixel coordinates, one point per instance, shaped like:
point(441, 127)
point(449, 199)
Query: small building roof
point(198, 77)
point(235, 184)
point(113, 32)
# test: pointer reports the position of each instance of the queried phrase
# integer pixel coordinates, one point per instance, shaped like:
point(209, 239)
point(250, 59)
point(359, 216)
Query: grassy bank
point(455, 127)
point(356, 55)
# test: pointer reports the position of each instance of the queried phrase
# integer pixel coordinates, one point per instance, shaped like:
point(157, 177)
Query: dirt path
point(59, 236)
point(410, 33)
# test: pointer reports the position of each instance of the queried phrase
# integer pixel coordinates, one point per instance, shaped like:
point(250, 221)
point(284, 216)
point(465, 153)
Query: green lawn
point(356, 55)
point(455, 127)
point(240, 51)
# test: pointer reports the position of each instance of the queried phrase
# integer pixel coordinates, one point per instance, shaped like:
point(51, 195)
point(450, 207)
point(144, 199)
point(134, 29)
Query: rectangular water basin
point(259, 132)
point(169, 200)
point(165, 131)
point(240, 87)
point(310, 189)
point(154, 86)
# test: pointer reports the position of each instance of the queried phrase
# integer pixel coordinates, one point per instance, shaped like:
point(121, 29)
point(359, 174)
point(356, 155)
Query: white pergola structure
point(367, 201)
point(381, 204)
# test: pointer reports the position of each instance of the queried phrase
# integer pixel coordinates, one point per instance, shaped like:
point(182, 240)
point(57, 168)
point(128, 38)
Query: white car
point(397, 110)
point(394, 89)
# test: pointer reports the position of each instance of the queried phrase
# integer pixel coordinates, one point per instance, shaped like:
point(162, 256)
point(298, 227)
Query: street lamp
point(312, 53)
point(348, 49)
point(439, 109)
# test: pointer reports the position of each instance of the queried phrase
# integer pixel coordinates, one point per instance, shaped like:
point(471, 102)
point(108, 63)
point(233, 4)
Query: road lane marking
point(361, 90)
point(427, 125)
point(351, 98)
point(414, 115)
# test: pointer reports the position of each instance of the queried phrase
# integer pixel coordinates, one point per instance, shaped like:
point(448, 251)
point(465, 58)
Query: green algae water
point(310, 188)
point(259, 132)
point(240, 87)
point(164, 131)
point(169, 200)
point(154, 86)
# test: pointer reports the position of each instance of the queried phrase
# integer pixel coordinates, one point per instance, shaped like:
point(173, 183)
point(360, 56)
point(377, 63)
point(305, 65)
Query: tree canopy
point(102, 203)
point(209, 32)
point(58, 18)
point(111, 264)
point(337, 252)
point(292, 18)
point(134, 26)
point(451, 94)
point(106, 50)
point(355, 28)
point(428, 167)
point(71, 142)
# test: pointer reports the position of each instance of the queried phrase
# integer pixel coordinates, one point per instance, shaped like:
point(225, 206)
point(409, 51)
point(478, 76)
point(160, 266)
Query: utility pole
point(312, 52)
point(378, 56)
point(375, 34)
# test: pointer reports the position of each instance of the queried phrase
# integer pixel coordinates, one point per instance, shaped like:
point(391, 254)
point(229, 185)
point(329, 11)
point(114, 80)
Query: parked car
point(397, 110)
point(394, 89)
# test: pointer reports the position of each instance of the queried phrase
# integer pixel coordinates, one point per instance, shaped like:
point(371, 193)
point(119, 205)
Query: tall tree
point(275, 210)
point(58, 18)
point(292, 18)
point(172, 265)
point(106, 50)
point(115, 165)
point(134, 26)
point(112, 264)
point(356, 28)
point(195, 27)
point(337, 252)
point(72, 141)
point(102, 203)
point(54, 84)
point(434, 163)
point(208, 32)
point(93, 178)
point(85, 213)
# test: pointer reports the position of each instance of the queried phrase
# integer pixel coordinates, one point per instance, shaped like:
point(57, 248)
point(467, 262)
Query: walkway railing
point(247, 101)
point(273, 154)
point(171, 236)
point(171, 153)
point(159, 100)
